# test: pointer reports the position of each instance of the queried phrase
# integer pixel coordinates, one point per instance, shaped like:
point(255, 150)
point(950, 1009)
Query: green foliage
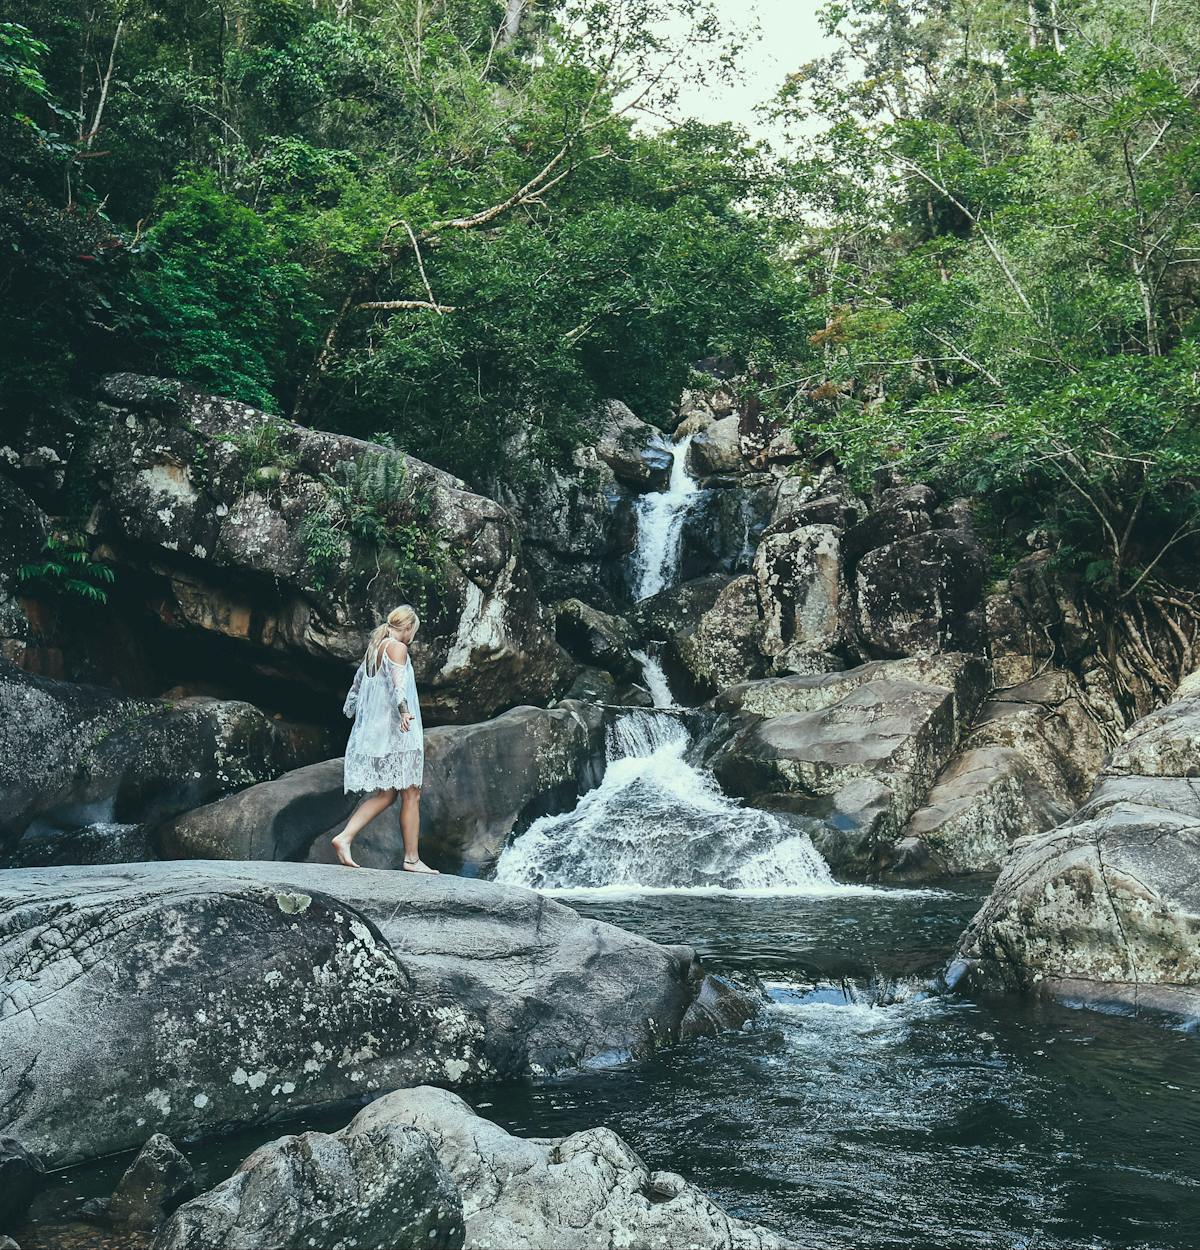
point(263, 456)
point(373, 508)
point(1004, 293)
point(259, 175)
point(220, 303)
point(67, 569)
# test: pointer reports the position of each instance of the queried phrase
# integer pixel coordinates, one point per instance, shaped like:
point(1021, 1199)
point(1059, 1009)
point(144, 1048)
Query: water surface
point(868, 1109)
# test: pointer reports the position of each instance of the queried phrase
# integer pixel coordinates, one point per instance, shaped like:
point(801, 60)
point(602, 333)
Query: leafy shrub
point(68, 569)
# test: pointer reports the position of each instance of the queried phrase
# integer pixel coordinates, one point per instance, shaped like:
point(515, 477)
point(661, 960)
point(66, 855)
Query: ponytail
point(403, 619)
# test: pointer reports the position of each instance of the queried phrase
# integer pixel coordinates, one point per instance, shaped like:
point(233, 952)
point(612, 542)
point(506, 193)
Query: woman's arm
point(397, 652)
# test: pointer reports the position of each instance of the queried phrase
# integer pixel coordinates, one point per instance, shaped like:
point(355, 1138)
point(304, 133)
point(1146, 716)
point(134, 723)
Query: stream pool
point(866, 1109)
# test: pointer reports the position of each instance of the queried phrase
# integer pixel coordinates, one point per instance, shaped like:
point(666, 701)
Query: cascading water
point(660, 518)
point(655, 678)
point(656, 822)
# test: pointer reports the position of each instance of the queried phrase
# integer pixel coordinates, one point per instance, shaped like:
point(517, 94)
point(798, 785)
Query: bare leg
point(364, 813)
point(410, 826)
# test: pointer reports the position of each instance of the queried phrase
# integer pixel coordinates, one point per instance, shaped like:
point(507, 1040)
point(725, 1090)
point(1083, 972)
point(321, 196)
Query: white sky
point(790, 36)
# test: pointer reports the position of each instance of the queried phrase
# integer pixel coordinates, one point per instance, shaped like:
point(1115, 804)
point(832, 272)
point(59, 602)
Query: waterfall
point(660, 518)
point(657, 822)
point(655, 678)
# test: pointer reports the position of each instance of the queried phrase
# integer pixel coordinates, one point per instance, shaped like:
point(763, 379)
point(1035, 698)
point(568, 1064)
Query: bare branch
point(397, 305)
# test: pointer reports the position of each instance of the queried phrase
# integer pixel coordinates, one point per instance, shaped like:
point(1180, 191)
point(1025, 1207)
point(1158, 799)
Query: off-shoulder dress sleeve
point(351, 705)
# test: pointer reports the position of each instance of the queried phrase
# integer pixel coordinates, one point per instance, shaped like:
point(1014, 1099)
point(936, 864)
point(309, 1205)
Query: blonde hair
point(401, 620)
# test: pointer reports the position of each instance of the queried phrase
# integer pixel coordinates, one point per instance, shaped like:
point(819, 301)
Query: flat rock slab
point(859, 749)
point(191, 996)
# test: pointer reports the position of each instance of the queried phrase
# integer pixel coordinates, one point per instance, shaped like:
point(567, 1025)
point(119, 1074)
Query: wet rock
point(210, 504)
point(633, 449)
point(186, 998)
point(921, 595)
point(7, 1243)
point(106, 842)
point(375, 1185)
point(72, 755)
point(716, 448)
point(596, 638)
point(670, 619)
point(577, 526)
point(153, 1185)
point(481, 782)
point(1105, 910)
point(859, 749)
point(20, 1178)
point(593, 685)
point(588, 1191)
point(722, 1005)
point(721, 528)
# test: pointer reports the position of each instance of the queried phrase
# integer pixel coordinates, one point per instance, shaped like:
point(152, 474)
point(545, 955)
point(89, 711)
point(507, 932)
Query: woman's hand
point(405, 721)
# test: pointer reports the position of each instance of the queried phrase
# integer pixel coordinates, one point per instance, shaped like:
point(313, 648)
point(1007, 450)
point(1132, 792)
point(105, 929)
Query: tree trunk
point(514, 11)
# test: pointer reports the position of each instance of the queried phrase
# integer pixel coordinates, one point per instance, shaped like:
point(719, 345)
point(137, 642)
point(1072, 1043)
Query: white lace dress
point(380, 754)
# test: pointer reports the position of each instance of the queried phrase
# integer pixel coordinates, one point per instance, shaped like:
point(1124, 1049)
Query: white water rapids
point(656, 822)
point(660, 518)
point(655, 678)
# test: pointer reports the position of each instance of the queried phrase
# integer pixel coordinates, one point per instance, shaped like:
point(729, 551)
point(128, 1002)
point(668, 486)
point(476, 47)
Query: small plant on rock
point(68, 568)
point(374, 504)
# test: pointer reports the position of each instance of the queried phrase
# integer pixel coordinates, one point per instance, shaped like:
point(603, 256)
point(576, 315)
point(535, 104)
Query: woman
point(386, 751)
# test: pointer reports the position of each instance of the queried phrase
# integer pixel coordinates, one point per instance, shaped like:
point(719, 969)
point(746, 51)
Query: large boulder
point(1026, 764)
point(633, 449)
point(74, 755)
point(1105, 910)
point(588, 1191)
point(723, 522)
point(803, 597)
point(859, 748)
point(726, 644)
point(596, 638)
point(234, 527)
point(187, 998)
point(715, 448)
point(670, 620)
point(481, 782)
point(922, 595)
point(898, 513)
point(577, 526)
point(376, 1185)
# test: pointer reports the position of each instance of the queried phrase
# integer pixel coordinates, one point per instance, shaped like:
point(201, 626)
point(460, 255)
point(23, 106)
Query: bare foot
point(341, 847)
point(415, 865)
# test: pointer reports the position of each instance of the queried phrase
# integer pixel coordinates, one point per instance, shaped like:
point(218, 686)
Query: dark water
point(866, 1109)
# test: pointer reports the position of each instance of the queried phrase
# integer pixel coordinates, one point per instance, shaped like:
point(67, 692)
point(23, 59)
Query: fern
point(373, 502)
point(67, 568)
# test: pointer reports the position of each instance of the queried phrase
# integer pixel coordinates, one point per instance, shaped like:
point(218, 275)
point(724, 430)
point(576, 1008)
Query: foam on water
point(656, 678)
point(660, 518)
point(658, 823)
